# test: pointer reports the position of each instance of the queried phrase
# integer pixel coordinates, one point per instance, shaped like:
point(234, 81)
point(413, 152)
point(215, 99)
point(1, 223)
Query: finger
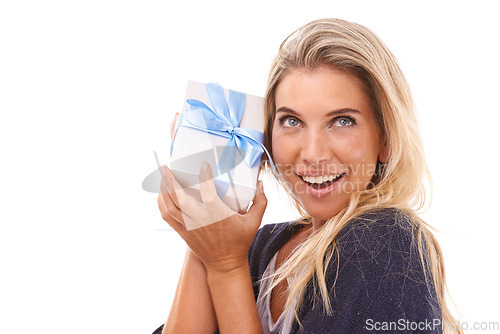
point(217, 210)
point(259, 203)
point(207, 187)
point(171, 208)
point(167, 182)
point(189, 206)
point(173, 222)
point(172, 126)
point(177, 219)
point(165, 187)
point(185, 211)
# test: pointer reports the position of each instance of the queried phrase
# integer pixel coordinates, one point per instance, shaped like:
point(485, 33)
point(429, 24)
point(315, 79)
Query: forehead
point(322, 88)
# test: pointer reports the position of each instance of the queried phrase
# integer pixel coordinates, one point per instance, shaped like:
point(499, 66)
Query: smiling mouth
point(321, 182)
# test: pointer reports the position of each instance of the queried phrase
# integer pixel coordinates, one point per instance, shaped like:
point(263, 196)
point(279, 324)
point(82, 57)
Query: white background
point(87, 93)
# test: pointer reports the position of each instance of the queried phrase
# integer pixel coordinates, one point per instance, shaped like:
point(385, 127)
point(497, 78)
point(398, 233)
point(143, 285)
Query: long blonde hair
point(401, 184)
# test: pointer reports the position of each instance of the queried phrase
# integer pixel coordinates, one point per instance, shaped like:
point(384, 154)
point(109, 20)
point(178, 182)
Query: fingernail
point(205, 166)
point(261, 186)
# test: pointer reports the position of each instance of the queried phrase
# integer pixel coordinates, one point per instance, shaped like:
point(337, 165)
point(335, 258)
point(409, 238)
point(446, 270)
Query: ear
point(383, 153)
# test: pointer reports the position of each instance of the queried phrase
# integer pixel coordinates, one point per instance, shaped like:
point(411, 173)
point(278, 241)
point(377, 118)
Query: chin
point(320, 208)
point(323, 211)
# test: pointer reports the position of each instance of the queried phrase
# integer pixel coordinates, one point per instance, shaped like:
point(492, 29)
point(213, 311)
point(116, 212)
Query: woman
point(342, 131)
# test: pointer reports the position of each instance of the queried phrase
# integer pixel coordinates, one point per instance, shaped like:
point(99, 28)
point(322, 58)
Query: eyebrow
point(331, 113)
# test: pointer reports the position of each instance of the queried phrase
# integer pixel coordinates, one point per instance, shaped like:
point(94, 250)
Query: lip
point(324, 191)
point(317, 173)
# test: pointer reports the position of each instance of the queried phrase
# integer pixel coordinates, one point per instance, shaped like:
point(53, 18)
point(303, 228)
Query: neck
point(316, 224)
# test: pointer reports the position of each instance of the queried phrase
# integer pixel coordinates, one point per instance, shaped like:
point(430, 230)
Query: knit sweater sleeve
point(376, 282)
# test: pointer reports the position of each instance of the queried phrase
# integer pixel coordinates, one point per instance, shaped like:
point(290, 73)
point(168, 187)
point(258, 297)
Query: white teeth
point(319, 179)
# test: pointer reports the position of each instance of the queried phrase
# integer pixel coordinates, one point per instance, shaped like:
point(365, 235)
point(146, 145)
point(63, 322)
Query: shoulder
point(270, 234)
point(377, 232)
point(376, 274)
point(268, 240)
point(385, 243)
point(380, 258)
point(382, 220)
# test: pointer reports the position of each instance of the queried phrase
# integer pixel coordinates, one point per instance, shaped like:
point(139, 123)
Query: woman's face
point(325, 140)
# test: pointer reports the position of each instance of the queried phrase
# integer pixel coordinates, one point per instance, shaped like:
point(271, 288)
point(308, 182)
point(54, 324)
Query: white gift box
point(191, 147)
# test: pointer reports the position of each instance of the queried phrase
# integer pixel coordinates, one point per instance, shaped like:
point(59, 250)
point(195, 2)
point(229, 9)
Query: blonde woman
point(342, 131)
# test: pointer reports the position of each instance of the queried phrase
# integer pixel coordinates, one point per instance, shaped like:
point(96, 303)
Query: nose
point(316, 148)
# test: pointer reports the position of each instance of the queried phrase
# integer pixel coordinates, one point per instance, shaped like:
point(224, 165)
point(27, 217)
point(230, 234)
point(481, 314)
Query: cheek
point(284, 154)
point(279, 150)
point(279, 145)
point(358, 153)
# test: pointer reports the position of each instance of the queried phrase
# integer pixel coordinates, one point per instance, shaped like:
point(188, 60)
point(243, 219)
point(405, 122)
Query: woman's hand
point(218, 236)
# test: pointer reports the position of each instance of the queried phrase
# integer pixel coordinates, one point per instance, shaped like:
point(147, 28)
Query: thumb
point(259, 202)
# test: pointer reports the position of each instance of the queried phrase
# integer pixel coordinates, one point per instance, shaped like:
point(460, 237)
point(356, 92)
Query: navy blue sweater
point(381, 286)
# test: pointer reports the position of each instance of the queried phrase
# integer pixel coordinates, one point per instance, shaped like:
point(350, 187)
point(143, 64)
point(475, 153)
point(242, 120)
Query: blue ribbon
point(224, 121)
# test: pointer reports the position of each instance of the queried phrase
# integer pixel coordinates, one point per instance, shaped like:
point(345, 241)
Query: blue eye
point(344, 121)
point(289, 122)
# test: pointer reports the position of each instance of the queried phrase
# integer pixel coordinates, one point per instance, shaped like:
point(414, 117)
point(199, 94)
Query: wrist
point(192, 261)
point(227, 271)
